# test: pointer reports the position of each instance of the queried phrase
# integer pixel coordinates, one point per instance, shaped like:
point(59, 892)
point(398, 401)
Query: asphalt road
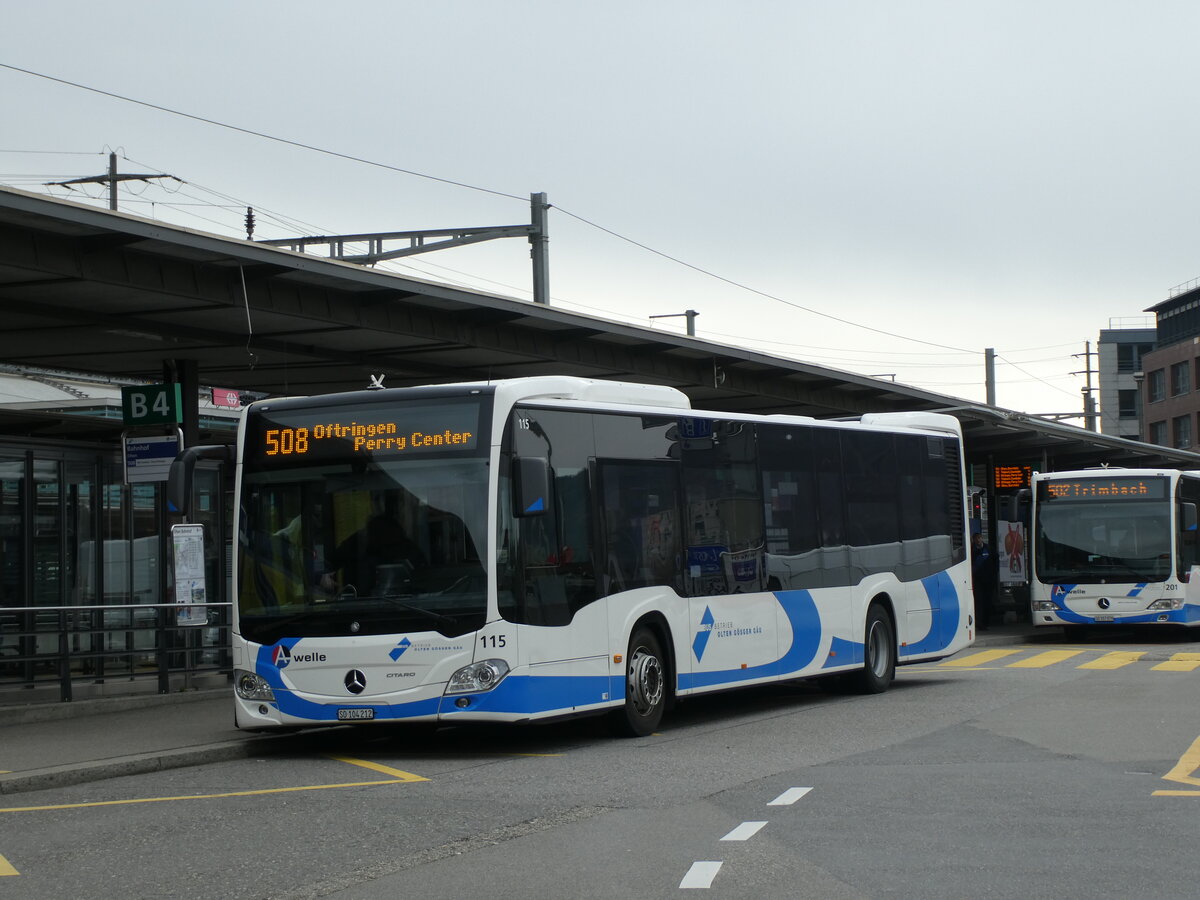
point(1019, 771)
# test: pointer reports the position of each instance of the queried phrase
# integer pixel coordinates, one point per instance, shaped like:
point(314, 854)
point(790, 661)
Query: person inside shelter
point(984, 575)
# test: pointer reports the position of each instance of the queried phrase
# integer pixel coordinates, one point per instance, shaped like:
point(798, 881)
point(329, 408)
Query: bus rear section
point(1115, 547)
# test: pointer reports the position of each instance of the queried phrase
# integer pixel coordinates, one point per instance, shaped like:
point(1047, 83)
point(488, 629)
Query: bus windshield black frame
point(1104, 530)
point(364, 516)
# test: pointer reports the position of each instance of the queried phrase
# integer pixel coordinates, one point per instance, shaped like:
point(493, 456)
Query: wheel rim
point(645, 681)
point(878, 649)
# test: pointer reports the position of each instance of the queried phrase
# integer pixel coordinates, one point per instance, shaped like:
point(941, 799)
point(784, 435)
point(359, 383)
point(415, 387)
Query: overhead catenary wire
point(259, 134)
point(288, 223)
point(389, 167)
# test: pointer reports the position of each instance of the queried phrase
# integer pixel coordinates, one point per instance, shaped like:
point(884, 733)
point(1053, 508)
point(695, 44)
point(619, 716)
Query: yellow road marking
point(978, 659)
point(378, 767)
point(1176, 794)
point(1188, 763)
point(1180, 662)
point(1114, 659)
point(6, 868)
point(287, 790)
point(1043, 659)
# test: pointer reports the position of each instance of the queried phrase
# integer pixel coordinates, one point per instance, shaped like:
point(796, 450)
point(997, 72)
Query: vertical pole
point(186, 373)
point(691, 322)
point(64, 663)
point(989, 365)
point(112, 181)
point(1089, 402)
point(539, 248)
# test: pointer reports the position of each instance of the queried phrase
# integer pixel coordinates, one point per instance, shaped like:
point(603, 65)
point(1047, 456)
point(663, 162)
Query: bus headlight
point(1044, 606)
point(251, 687)
point(478, 677)
point(1167, 603)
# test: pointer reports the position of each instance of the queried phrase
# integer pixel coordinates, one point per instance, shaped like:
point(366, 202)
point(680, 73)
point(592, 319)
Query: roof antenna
point(376, 382)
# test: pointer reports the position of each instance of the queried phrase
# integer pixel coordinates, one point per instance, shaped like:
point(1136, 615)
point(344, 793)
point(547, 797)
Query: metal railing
point(73, 646)
point(1183, 288)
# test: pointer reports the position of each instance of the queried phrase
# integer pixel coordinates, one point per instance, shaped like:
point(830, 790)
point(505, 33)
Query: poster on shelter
point(1010, 545)
point(190, 590)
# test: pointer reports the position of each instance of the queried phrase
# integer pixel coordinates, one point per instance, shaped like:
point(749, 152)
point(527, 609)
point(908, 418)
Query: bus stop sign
point(151, 404)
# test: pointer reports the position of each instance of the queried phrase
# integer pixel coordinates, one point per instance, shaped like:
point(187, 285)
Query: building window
point(1158, 433)
point(1127, 404)
point(1156, 383)
point(1182, 428)
point(1129, 356)
point(1181, 379)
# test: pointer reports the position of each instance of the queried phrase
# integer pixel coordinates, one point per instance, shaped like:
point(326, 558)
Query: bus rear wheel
point(879, 653)
point(645, 686)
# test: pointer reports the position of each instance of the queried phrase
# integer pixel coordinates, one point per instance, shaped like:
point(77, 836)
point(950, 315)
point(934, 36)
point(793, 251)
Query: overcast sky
point(945, 175)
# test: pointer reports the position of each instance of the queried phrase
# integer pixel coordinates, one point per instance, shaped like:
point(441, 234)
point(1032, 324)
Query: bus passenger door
point(547, 576)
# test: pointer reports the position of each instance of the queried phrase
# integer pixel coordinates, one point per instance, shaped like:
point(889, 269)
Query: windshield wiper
point(403, 604)
point(277, 624)
point(398, 600)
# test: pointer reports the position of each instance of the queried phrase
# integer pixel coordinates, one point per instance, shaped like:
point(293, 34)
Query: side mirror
point(1187, 516)
point(179, 480)
point(531, 486)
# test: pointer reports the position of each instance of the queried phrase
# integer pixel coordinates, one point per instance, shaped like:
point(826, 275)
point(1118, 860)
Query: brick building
point(1171, 372)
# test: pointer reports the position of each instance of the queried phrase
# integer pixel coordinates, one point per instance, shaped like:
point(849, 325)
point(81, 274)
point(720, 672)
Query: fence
point(74, 646)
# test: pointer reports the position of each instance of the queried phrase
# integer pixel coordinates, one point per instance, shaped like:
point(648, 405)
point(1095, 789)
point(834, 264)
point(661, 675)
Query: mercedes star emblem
point(1103, 603)
point(356, 681)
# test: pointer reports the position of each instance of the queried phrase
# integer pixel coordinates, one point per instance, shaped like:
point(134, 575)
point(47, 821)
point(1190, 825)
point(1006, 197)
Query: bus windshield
point(344, 535)
point(1100, 541)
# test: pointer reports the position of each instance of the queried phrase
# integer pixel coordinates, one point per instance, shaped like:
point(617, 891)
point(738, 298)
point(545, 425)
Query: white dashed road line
point(703, 873)
point(790, 796)
point(744, 832)
point(700, 875)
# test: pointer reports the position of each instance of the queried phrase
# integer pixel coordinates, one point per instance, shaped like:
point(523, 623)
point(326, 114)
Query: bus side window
point(641, 524)
point(724, 508)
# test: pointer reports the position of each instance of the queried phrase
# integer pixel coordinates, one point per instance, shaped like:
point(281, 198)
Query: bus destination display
point(1103, 489)
point(297, 435)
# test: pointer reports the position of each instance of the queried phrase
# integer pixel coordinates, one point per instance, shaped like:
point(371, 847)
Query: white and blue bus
point(544, 547)
point(1115, 547)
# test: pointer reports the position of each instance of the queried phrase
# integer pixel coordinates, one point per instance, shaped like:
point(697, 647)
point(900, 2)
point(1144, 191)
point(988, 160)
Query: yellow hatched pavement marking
point(977, 659)
point(1043, 659)
point(398, 777)
point(1180, 662)
point(1188, 763)
point(378, 767)
point(1114, 659)
point(6, 868)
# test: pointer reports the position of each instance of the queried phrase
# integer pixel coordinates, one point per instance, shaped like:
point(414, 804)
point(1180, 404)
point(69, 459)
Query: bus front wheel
point(645, 686)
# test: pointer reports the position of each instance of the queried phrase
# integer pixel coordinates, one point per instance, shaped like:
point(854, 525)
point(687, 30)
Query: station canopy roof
point(90, 290)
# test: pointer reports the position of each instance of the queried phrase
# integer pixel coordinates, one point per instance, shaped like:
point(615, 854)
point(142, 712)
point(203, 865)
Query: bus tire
point(645, 686)
point(879, 653)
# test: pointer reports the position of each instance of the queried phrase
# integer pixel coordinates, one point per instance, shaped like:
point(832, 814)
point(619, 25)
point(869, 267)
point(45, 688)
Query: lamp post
point(691, 320)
